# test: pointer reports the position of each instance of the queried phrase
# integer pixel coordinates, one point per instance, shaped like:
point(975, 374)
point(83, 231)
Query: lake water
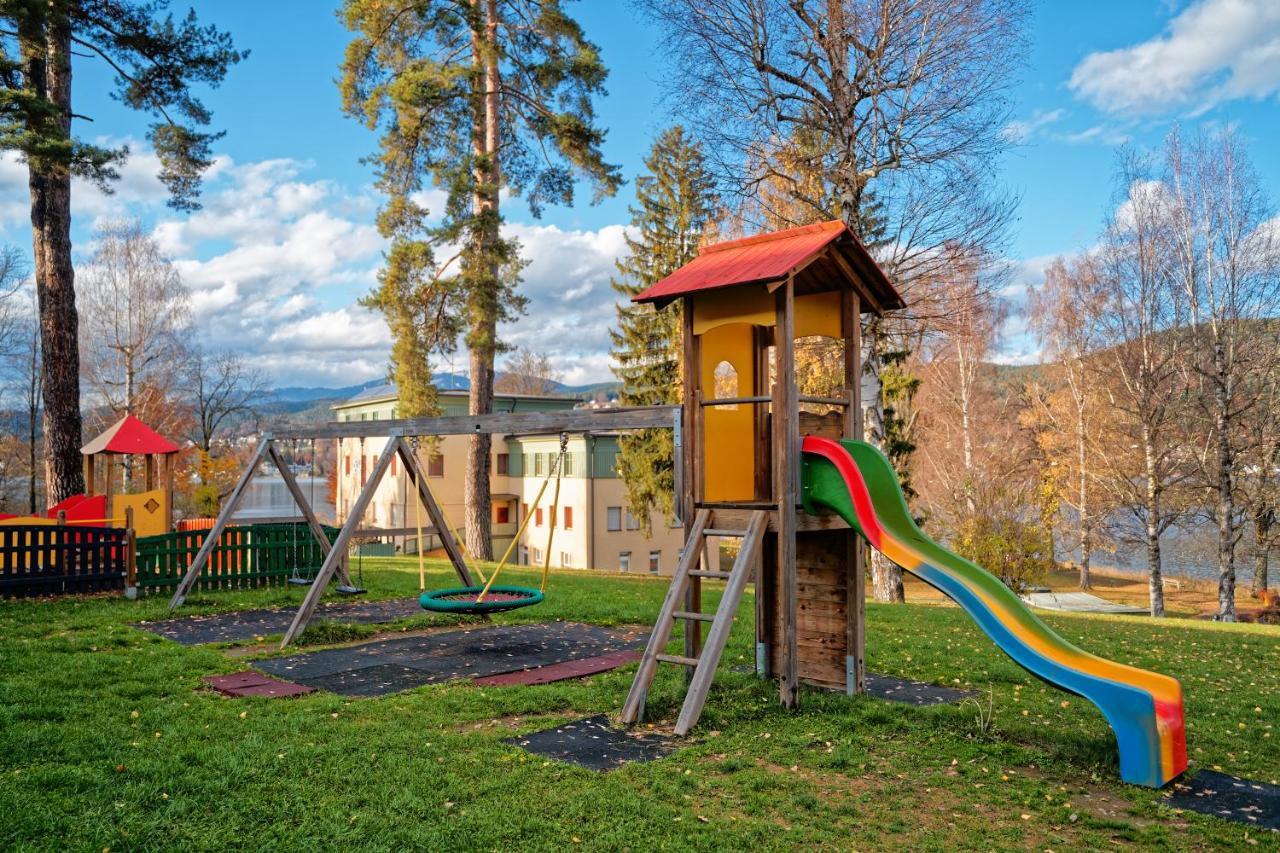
point(268, 497)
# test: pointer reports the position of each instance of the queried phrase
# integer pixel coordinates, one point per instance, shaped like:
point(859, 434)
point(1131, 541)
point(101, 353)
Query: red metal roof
point(130, 435)
point(762, 258)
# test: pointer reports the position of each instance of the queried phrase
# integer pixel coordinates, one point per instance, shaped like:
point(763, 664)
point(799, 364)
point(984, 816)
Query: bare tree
point(223, 388)
point(1138, 315)
point(12, 271)
point(528, 372)
point(1229, 268)
point(1257, 477)
point(134, 318)
point(1068, 341)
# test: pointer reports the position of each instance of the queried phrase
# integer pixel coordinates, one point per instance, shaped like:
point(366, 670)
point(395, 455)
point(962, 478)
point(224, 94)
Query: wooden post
point(62, 517)
point(693, 455)
point(224, 518)
point(167, 479)
point(786, 470)
point(131, 555)
point(316, 591)
point(149, 471)
point(307, 512)
point(109, 485)
point(855, 550)
point(90, 482)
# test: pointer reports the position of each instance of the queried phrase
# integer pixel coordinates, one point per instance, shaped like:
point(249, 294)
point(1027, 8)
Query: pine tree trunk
point(482, 336)
point(1155, 581)
point(55, 278)
point(1226, 499)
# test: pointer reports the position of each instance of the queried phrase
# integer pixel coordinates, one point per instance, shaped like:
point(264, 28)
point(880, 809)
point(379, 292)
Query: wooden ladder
point(704, 666)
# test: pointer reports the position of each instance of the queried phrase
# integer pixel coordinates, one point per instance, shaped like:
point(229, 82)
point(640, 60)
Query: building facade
point(593, 526)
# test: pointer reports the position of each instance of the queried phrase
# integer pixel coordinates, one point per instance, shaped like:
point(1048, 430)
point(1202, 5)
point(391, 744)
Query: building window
point(504, 464)
point(502, 514)
point(633, 523)
point(613, 518)
point(348, 464)
point(393, 466)
point(435, 466)
point(568, 518)
point(655, 557)
point(624, 561)
point(374, 416)
point(538, 470)
point(537, 555)
point(364, 468)
point(524, 555)
point(567, 467)
point(537, 517)
point(566, 560)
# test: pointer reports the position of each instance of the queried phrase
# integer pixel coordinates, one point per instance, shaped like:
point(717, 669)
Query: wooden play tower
point(744, 306)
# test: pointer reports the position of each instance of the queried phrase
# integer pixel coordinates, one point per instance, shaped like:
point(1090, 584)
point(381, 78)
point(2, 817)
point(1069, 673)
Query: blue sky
point(285, 244)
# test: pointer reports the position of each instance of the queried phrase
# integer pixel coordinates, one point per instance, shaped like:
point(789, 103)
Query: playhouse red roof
point(770, 257)
point(130, 435)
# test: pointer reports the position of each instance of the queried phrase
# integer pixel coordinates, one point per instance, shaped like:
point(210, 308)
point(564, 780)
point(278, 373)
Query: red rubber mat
point(561, 671)
point(251, 683)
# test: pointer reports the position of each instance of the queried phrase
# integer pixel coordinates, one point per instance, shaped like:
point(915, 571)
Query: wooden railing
point(250, 555)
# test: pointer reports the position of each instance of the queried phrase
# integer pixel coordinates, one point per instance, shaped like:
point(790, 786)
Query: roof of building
point(130, 435)
point(388, 391)
point(773, 256)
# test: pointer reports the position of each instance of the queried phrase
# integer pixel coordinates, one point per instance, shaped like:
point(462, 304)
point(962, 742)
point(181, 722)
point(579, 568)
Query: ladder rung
point(718, 532)
point(699, 573)
point(680, 659)
point(700, 617)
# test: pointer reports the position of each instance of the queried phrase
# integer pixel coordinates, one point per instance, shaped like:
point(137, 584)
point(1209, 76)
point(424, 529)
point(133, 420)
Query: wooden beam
point(855, 550)
point(858, 284)
point(224, 517)
point(308, 515)
point(331, 560)
point(451, 547)
point(786, 471)
point(507, 423)
point(691, 414)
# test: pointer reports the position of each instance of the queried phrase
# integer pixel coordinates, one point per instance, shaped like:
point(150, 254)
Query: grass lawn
point(108, 741)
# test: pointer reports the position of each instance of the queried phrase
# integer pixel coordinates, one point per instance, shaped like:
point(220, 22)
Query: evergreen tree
point(156, 61)
point(675, 206)
point(471, 97)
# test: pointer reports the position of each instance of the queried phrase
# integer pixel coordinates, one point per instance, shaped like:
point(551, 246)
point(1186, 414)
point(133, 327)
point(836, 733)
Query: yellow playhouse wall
point(729, 433)
point(146, 521)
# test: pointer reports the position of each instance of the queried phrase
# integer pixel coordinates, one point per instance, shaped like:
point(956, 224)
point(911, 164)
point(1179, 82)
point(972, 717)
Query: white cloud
point(1213, 51)
point(1022, 130)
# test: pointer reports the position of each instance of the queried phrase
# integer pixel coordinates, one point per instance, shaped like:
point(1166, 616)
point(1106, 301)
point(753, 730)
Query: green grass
point(107, 741)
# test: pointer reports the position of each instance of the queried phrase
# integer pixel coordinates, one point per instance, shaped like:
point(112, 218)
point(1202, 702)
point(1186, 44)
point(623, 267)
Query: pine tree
point(156, 61)
point(471, 97)
point(675, 206)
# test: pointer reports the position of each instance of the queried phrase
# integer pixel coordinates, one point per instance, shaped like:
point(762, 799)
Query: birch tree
point(1069, 410)
point(1228, 266)
point(1138, 317)
point(471, 98)
point(135, 321)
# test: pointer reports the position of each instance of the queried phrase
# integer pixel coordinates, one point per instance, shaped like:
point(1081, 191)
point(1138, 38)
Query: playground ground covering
point(110, 739)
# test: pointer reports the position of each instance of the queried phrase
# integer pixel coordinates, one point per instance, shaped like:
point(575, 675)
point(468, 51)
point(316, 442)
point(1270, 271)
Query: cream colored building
point(594, 528)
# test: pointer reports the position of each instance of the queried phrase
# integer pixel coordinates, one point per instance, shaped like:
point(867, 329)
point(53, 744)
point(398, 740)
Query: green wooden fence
point(249, 555)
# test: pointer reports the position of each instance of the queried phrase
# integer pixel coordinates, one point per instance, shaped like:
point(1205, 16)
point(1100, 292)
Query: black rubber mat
point(912, 692)
point(594, 744)
point(1230, 797)
point(247, 624)
point(406, 662)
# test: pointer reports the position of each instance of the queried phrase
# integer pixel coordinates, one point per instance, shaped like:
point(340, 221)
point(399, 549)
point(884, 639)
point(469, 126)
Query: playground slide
point(1143, 708)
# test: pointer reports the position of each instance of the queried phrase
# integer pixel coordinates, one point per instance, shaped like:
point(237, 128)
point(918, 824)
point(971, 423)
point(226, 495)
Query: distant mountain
point(295, 394)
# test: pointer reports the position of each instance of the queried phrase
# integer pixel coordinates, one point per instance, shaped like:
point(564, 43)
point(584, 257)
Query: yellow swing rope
point(502, 564)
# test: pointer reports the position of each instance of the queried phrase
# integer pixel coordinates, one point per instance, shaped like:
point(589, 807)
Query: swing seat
point(343, 589)
point(462, 599)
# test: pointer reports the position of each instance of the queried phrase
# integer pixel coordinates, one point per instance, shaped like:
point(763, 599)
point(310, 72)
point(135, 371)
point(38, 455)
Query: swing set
point(474, 593)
